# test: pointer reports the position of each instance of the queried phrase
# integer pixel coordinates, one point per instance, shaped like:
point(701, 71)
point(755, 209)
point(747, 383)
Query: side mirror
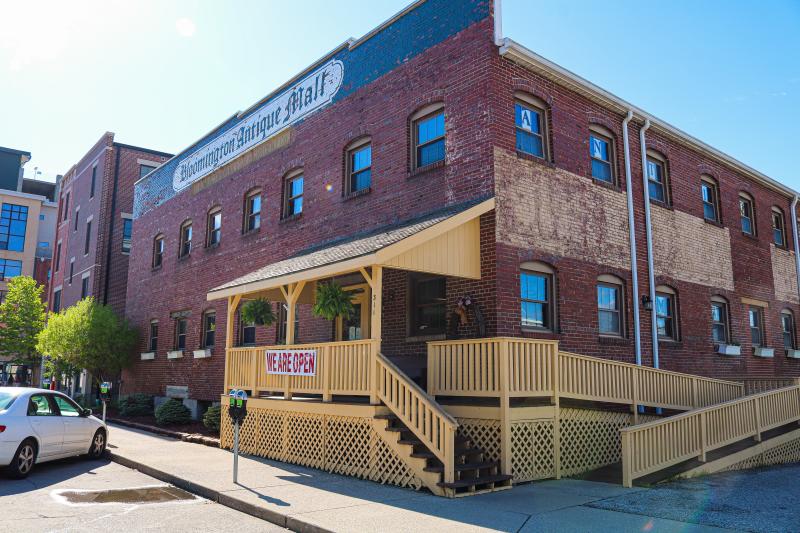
point(86, 413)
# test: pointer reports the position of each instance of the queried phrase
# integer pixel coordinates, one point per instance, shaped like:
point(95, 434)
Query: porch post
point(292, 295)
point(375, 281)
point(233, 303)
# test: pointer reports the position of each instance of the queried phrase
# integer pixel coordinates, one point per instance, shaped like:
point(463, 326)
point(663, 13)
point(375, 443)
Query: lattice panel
point(344, 445)
point(785, 453)
point(484, 434)
point(532, 450)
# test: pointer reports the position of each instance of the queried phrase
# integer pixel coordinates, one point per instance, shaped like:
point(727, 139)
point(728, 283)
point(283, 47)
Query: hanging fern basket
point(332, 301)
point(258, 312)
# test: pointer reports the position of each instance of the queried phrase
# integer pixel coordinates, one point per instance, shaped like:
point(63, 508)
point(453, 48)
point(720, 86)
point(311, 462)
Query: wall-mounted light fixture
point(647, 303)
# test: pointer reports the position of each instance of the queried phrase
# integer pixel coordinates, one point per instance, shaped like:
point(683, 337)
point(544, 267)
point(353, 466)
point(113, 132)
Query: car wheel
point(23, 461)
point(98, 446)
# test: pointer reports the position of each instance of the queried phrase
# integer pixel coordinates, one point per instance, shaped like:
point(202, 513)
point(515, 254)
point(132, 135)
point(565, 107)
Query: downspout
point(796, 247)
point(632, 238)
point(649, 232)
point(498, 23)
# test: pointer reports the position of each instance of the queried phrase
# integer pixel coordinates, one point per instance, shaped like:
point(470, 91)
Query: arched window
point(530, 125)
point(657, 177)
point(293, 188)
point(358, 166)
point(610, 306)
point(778, 227)
point(709, 190)
point(537, 296)
point(747, 214)
point(788, 328)
point(428, 136)
point(602, 154)
point(158, 250)
point(214, 227)
point(252, 211)
point(666, 312)
point(720, 320)
point(185, 239)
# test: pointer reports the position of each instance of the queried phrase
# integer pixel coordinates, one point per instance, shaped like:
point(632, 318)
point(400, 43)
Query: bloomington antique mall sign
point(292, 362)
point(308, 95)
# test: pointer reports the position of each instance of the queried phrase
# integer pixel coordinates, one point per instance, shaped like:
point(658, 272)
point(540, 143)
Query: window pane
point(430, 128)
point(716, 313)
point(598, 148)
point(718, 333)
point(430, 153)
point(607, 298)
point(530, 143)
point(609, 322)
point(656, 191)
point(527, 118)
point(66, 408)
point(601, 171)
point(296, 187)
point(360, 180)
point(777, 235)
point(709, 212)
point(534, 315)
point(362, 158)
point(654, 171)
point(533, 287)
point(747, 225)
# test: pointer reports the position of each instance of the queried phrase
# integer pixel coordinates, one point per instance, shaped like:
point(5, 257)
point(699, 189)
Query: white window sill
point(175, 354)
point(793, 354)
point(729, 349)
point(148, 356)
point(761, 351)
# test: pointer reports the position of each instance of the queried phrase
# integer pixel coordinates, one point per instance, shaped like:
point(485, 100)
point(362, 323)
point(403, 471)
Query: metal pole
point(236, 452)
point(104, 412)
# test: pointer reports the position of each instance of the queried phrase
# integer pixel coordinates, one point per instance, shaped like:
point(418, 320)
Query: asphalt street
point(38, 504)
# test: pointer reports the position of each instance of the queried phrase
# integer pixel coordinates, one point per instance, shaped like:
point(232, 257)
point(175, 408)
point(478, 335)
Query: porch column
point(375, 281)
point(291, 293)
point(233, 304)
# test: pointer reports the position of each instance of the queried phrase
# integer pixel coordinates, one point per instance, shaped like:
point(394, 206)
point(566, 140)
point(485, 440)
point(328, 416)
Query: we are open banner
point(292, 362)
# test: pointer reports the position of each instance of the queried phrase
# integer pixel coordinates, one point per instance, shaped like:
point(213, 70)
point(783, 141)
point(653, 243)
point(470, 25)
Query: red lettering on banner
point(292, 362)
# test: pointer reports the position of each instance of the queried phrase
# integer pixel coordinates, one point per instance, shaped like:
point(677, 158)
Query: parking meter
point(237, 411)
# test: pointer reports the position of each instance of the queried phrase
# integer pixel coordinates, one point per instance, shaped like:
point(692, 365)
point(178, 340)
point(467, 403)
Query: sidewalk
point(309, 500)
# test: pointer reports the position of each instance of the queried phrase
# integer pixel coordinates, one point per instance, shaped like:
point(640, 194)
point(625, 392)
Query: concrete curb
point(179, 435)
point(280, 519)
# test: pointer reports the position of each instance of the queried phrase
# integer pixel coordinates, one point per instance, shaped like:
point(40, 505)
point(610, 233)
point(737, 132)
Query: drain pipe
point(796, 247)
point(649, 233)
point(637, 341)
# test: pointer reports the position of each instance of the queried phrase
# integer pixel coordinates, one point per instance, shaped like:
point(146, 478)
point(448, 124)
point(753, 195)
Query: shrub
point(172, 412)
point(136, 405)
point(211, 419)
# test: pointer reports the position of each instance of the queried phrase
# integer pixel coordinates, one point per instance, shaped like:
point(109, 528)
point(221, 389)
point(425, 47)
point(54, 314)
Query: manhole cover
point(140, 495)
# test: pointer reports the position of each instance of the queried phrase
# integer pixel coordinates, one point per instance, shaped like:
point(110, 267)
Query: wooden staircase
point(472, 473)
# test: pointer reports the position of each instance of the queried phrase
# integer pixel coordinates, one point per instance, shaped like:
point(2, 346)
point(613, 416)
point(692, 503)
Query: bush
point(136, 405)
point(211, 419)
point(172, 412)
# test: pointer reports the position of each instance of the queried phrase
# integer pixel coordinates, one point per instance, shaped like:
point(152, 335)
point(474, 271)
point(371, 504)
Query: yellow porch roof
point(445, 242)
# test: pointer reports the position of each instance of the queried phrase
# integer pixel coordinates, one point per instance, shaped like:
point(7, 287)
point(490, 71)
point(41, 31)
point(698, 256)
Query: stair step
point(475, 482)
point(423, 455)
point(469, 451)
point(464, 466)
point(386, 417)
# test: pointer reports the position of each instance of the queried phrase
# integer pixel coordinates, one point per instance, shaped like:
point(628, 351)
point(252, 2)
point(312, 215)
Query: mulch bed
point(195, 431)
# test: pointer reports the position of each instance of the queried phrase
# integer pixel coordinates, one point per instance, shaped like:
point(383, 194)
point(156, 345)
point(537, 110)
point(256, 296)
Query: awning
point(445, 242)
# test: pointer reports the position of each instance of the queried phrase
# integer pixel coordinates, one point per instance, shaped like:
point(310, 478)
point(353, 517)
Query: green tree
point(91, 336)
point(22, 316)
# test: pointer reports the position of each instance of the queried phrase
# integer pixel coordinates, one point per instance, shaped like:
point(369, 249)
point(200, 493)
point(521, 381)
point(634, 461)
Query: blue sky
point(162, 74)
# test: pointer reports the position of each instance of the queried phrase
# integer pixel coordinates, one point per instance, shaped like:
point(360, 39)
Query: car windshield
point(6, 399)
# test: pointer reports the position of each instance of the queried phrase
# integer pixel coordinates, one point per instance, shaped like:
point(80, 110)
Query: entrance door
point(357, 326)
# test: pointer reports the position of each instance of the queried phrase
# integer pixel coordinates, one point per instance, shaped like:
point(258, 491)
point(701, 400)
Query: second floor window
point(746, 215)
point(719, 322)
point(293, 195)
point(153, 340)
point(359, 167)
point(530, 127)
point(247, 334)
point(127, 233)
point(214, 230)
point(252, 211)
point(656, 178)
point(536, 295)
point(181, 326)
point(600, 152)
point(778, 230)
point(787, 326)
point(88, 239)
point(665, 316)
point(186, 240)
point(710, 194)
point(158, 251)
point(13, 223)
point(609, 308)
point(756, 319)
point(429, 139)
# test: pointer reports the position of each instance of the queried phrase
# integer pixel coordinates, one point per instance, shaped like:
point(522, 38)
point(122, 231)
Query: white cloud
point(185, 27)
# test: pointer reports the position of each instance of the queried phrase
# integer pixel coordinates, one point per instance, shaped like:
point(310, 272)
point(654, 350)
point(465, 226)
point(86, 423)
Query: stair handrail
point(419, 412)
point(708, 428)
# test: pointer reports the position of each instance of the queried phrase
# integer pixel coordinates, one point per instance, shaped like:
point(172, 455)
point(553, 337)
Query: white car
point(38, 425)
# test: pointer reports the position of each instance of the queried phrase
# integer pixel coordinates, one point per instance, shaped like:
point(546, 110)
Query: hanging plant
point(332, 301)
point(258, 311)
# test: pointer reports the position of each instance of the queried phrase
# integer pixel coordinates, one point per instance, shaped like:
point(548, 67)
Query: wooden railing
point(756, 385)
point(419, 412)
point(653, 446)
point(343, 368)
point(478, 367)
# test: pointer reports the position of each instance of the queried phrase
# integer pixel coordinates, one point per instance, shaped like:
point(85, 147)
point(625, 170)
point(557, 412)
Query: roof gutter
point(533, 61)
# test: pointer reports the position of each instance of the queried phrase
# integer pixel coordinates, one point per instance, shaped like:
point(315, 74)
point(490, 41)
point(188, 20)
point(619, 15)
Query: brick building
point(533, 174)
point(95, 208)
